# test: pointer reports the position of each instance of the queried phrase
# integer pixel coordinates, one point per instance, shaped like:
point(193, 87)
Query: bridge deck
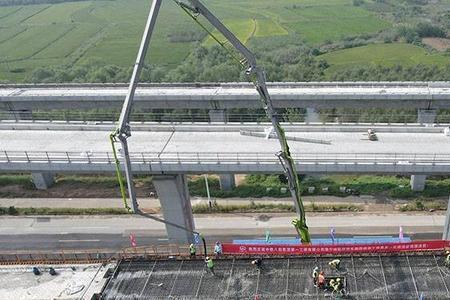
point(224, 152)
point(212, 96)
point(223, 142)
point(374, 277)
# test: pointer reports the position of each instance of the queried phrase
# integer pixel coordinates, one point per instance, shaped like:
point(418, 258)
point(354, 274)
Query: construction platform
point(393, 277)
point(71, 282)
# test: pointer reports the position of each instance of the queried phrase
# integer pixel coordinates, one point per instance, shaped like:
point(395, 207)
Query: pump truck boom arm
point(256, 74)
point(123, 131)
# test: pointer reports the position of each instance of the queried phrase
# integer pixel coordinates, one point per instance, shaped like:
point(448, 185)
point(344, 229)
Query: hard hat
point(207, 258)
point(331, 281)
point(338, 280)
point(316, 269)
point(253, 261)
point(447, 252)
point(330, 263)
point(217, 242)
point(191, 245)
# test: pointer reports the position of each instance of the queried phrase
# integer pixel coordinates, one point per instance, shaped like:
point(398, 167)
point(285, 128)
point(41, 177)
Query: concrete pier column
point(175, 202)
point(312, 116)
point(417, 182)
point(227, 182)
point(446, 233)
point(218, 116)
point(43, 181)
point(426, 116)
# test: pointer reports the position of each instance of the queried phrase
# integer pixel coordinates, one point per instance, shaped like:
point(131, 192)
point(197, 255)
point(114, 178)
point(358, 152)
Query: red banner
point(334, 249)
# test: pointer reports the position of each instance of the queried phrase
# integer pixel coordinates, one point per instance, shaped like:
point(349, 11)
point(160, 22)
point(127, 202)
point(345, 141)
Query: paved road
point(113, 231)
point(53, 242)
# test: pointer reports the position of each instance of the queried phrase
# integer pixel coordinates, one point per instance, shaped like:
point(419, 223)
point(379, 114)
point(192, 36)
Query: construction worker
point(315, 275)
point(210, 264)
point(332, 284)
point(218, 249)
point(257, 263)
point(335, 263)
point(321, 280)
point(447, 258)
point(192, 250)
point(338, 284)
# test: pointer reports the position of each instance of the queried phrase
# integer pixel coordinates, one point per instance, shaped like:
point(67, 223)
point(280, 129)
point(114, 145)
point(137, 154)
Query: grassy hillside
point(72, 33)
point(383, 54)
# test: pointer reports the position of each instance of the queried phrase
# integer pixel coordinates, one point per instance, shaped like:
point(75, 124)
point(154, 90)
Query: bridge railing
point(203, 117)
point(89, 157)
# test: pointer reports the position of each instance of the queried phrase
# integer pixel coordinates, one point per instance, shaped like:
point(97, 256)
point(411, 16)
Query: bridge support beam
point(446, 233)
point(43, 181)
point(175, 202)
point(417, 182)
point(312, 116)
point(426, 116)
point(218, 116)
point(227, 182)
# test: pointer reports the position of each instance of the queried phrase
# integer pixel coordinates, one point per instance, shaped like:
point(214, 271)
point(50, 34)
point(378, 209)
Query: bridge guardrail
point(222, 158)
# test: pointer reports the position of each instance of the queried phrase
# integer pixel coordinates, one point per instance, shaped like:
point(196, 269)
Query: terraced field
point(383, 54)
point(109, 31)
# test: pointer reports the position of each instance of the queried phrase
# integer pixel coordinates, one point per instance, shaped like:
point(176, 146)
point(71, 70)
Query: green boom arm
point(258, 76)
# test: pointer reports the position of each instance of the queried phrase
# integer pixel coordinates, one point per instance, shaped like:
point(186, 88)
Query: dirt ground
point(439, 44)
point(72, 190)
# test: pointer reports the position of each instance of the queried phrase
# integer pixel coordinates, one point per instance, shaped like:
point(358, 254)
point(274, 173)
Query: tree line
point(31, 2)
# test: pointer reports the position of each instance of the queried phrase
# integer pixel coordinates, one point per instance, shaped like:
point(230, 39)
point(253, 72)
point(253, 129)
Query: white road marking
point(163, 239)
point(77, 241)
point(87, 227)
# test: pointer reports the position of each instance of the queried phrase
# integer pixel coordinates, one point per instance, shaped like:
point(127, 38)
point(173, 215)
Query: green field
point(73, 33)
point(383, 54)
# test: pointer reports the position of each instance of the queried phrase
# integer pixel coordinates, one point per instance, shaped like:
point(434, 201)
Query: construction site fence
point(416, 246)
point(229, 250)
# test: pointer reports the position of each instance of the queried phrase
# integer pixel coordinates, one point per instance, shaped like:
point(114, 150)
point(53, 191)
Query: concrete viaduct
point(427, 97)
point(177, 152)
point(170, 152)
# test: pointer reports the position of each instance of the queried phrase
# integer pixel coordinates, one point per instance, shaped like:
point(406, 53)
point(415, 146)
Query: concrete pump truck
point(254, 73)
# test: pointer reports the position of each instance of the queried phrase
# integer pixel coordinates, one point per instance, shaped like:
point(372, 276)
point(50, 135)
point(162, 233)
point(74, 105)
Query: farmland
point(383, 54)
point(109, 31)
point(72, 34)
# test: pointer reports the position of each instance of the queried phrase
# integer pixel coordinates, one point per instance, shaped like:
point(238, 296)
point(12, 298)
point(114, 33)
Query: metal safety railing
point(89, 157)
point(204, 117)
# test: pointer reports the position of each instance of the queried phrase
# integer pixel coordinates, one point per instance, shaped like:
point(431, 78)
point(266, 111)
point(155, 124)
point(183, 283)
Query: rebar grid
point(398, 277)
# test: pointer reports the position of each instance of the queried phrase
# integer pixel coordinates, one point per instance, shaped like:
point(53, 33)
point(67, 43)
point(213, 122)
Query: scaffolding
point(399, 277)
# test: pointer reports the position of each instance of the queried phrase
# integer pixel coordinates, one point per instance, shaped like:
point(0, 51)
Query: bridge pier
point(426, 116)
point(227, 182)
point(218, 116)
point(43, 180)
point(446, 233)
point(312, 116)
point(175, 202)
point(417, 182)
